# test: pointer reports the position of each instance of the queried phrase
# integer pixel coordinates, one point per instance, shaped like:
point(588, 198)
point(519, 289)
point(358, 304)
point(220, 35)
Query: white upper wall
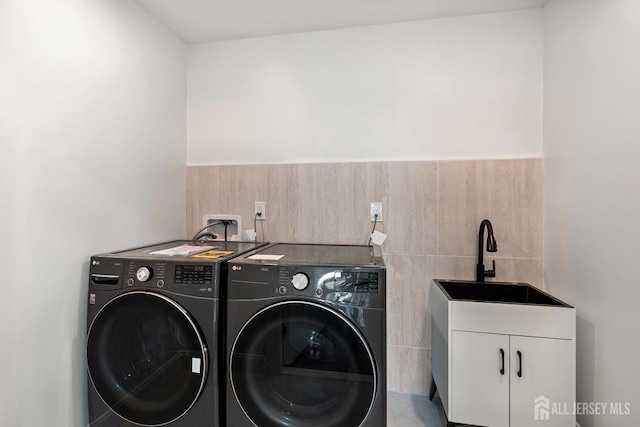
point(93, 152)
point(592, 192)
point(468, 87)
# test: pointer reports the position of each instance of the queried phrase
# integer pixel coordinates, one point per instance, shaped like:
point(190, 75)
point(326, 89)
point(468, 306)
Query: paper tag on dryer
point(377, 238)
point(195, 365)
point(267, 257)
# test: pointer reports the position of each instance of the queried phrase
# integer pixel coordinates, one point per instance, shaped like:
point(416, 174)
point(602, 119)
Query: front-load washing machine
point(153, 339)
point(306, 342)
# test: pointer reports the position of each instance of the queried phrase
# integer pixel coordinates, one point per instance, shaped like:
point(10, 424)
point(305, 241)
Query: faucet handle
point(492, 272)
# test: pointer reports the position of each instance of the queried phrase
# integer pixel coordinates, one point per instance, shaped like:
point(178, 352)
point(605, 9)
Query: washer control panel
point(197, 279)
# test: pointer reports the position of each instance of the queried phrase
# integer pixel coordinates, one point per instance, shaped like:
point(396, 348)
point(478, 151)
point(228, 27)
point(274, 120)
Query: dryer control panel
point(360, 286)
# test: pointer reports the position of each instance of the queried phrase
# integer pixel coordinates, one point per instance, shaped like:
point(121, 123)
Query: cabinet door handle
point(502, 355)
point(519, 364)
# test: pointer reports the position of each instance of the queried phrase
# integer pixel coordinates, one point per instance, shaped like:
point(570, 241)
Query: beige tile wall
point(432, 212)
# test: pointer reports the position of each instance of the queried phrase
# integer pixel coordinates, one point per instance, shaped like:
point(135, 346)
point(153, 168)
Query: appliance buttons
point(130, 281)
point(282, 290)
point(319, 292)
point(160, 283)
point(300, 281)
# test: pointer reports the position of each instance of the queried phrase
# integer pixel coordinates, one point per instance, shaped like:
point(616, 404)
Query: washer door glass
point(302, 364)
point(146, 358)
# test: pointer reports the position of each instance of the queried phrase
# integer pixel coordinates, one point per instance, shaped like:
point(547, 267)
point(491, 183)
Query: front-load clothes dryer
point(153, 338)
point(306, 342)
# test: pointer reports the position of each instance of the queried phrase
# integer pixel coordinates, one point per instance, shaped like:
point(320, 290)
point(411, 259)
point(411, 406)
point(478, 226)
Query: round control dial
point(144, 274)
point(300, 281)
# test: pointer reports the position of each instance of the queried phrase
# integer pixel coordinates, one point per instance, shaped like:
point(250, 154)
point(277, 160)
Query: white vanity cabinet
point(497, 378)
point(501, 364)
point(480, 389)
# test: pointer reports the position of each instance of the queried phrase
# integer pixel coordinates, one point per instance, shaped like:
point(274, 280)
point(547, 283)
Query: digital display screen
point(193, 274)
point(365, 282)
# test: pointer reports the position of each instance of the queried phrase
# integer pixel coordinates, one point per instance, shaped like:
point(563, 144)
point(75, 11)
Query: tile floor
point(410, 410)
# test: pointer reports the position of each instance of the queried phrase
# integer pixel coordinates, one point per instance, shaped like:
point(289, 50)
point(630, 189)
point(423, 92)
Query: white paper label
point(377, 238)
point(266, 257)
point(195, 365)
point(183, 250)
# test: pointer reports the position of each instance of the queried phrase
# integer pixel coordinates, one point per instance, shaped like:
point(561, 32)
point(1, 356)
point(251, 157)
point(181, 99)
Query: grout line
point(543, 219)
point(298, 179)
point(408, 346)
point(407, 254)
point(491, 167)
point(437, 211)
point(461, 256)
point(492, 257)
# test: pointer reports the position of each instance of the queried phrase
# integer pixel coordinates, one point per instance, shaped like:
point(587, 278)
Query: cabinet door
point(480, 379)
point(542, 382)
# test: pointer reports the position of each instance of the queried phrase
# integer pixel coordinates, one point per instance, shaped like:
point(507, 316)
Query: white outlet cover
point(375, 208)
point(261, 207)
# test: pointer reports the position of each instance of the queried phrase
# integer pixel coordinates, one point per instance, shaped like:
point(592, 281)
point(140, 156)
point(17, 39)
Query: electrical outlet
point(376, 208)
point(261, 208)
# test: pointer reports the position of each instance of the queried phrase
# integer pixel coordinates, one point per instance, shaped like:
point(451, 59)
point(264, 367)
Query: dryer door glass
point(303, 364)
point(146, 358)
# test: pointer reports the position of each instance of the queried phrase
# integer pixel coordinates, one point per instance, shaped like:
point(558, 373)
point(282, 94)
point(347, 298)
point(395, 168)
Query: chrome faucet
point(491, 247)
